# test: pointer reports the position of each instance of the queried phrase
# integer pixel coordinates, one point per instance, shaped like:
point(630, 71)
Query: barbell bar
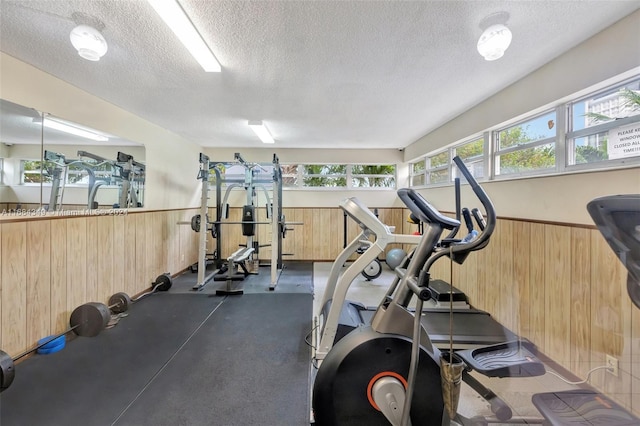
point(120, 302)
point(86, 320)
point(196, 221)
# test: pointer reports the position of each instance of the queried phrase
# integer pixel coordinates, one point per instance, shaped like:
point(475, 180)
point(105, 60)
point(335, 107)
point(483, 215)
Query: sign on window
point(624, 141)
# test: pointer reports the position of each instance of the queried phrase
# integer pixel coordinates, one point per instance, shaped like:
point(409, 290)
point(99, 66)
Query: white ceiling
point(320, 74)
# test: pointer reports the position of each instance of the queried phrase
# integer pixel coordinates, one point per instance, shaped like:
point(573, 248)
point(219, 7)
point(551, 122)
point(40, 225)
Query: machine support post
point(202, 235)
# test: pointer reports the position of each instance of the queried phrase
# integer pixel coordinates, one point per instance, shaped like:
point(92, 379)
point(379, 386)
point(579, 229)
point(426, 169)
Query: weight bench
point(237, 259)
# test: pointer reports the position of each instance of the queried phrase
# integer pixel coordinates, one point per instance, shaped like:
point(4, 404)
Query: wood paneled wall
point(50, 266)
point(319, 237)
point(560, 286)
point(563, 288)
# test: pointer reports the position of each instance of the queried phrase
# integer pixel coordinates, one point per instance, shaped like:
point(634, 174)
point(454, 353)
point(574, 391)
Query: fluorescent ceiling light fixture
point(261, 130)
point(88, 42)
point(494, 41)
point(73, 130)
point(174, 16)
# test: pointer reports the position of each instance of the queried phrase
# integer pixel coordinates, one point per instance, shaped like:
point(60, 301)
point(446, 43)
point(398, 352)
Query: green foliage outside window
point(32, 172)
point(418, 167)
point(535, 158)
point(589, 154)
point(326, 175)
point(438, 160)
point(439, 176)
point(373, 176)
point(471, 150)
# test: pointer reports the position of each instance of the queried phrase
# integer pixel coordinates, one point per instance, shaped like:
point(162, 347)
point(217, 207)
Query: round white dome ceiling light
point(89, 43)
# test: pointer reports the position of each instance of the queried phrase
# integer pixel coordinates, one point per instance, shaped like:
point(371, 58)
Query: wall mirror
point(52, 164)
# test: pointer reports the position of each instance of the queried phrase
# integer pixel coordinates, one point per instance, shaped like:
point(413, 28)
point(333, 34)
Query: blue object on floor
point(51, 350)
point(52, 344)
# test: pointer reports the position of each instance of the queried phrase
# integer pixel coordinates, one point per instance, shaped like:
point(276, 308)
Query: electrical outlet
point(182, 258)
point(612, 365)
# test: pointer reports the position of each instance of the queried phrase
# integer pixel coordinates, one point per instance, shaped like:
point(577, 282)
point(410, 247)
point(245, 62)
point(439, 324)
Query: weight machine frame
point(249, 183)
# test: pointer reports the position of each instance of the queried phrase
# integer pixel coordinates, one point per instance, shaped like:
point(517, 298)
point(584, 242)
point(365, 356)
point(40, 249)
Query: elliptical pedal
point(509, 359)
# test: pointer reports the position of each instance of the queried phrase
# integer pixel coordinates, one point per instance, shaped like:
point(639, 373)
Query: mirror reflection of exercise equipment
point(125, 172)
point(253, 179)
point(57, 167)
point(128, 174)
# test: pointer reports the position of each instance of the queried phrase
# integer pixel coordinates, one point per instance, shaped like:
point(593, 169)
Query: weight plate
point(119, 303)
point(164, 282)
point(195, 223)
point(7, 371)
point(90, 319)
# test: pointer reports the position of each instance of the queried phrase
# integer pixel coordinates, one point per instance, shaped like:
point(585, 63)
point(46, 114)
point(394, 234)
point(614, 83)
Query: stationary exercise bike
point(390, 372)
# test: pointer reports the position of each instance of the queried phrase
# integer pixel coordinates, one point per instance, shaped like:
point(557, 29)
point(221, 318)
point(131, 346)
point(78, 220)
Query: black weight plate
point(90, 319)
point(163, 282)
point(195, 223)
point(7, 371)
point(119, 303)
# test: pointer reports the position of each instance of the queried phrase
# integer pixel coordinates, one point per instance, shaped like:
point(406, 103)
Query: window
point(527, 146)
point(438, 168)
point(332, 175)
point(289, 175)
point(594, 121)
point(472, 155)
point(417, 173)
point(373, 176)
point(435, 169)
point(353, 176)
point(598, 130)
point(31, 172)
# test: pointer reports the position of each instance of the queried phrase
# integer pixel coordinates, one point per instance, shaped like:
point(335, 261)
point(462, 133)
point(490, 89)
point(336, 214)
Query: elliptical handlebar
point(458, 251)
point(490, 211)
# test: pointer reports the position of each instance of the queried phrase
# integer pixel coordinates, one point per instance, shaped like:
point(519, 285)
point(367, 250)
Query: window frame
point(563, 140)
point(497, 152)
point(299, 177)
point(571, 135)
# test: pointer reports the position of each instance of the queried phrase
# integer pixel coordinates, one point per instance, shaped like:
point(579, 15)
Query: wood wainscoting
point(51, 265)
point(563, 288)
point(558, 285)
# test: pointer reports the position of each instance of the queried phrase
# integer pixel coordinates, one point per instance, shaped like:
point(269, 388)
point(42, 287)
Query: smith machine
point(125, 170)
point(256, 177)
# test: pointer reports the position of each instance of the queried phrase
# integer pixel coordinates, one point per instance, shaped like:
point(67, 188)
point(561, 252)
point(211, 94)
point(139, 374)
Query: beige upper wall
point(610, 53)
point(167, 184)
point(563, 198)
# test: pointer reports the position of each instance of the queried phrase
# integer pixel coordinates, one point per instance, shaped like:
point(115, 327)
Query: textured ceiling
point(320, 74)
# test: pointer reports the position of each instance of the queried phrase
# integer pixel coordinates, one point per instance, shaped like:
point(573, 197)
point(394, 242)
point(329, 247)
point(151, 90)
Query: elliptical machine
point(390, 372)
